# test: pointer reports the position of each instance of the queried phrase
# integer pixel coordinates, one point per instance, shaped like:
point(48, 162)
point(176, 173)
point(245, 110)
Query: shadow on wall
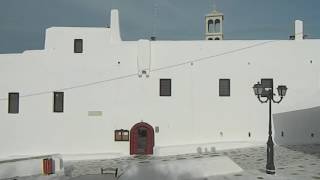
point(297, 127)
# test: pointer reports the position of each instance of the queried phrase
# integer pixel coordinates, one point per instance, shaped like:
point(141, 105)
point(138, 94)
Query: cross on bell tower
point(214, 24)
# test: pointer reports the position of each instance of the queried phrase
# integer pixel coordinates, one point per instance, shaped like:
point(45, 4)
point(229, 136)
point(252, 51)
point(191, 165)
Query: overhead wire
point(77, 86)
point(211, 57)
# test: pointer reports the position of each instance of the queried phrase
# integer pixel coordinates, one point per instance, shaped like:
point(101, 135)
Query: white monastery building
point(88, 92)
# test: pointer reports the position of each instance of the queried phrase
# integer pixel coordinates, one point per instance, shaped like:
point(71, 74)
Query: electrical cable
point(152, 70)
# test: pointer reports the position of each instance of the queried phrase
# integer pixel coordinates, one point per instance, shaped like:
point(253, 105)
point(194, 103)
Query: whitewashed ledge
point(28, 166)
point(203, 148)
point(90, 156)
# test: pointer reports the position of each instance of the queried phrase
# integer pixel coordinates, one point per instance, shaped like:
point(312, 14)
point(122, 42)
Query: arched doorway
point(141, 139)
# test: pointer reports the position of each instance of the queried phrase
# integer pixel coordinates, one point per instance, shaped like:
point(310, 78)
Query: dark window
point(266, 83)
point(224, 87)
point(58, 102)
point(13, 103)
point(121, 135)
point(165, 87)
point(78, 46)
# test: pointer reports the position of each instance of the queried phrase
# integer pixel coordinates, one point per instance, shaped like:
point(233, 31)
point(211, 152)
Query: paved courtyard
point(292, 162)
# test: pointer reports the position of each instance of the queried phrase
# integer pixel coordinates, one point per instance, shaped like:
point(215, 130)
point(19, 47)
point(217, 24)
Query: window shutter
point(58, 101)
point(78, 46)
point(165, 87)
point(224, 87)
point(13, 103)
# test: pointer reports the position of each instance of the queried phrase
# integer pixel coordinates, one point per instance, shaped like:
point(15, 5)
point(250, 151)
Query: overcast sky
point(23, 22)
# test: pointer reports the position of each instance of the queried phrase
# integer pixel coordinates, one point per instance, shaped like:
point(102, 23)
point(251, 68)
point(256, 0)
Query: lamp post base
point(270, 167)
point(269, 171)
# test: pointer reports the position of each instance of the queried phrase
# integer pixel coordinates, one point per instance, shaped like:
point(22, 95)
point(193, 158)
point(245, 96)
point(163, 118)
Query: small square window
point(118, 135)
point(13, 103)
point(165, 87)
point(121, 135)
point(224, 87)
point(58, 101)
point(125, 136)
point(78, 46)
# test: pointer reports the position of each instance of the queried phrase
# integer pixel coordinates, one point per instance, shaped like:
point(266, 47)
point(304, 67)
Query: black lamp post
point(265, 89)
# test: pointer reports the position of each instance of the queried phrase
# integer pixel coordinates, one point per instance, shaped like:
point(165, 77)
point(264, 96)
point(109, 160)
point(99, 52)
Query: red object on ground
point(48, 166)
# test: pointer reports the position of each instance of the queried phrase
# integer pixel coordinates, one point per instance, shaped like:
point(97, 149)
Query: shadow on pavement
point(313, 149)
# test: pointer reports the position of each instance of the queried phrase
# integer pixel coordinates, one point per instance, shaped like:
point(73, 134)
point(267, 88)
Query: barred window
point(165, 87)
point(13, 103)
point(78, 46)
point(58, 101)
point(224, 87)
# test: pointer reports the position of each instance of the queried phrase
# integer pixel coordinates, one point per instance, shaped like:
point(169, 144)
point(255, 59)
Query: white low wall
point(28, 166)
point(81, 157)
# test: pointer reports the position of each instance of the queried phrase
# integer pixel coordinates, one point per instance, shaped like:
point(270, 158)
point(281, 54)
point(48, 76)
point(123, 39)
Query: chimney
point(115, 28)
point(298, 30)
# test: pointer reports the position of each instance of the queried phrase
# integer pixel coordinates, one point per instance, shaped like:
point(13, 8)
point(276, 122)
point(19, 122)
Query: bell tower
point(214, 25)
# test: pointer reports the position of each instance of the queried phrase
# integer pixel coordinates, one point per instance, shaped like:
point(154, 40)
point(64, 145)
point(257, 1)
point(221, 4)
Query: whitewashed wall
point(193, 114)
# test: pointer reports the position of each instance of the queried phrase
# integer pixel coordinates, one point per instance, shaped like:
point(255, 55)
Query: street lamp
point(265, 90)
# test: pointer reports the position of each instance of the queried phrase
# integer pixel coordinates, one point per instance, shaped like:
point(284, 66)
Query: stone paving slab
point(292, 162)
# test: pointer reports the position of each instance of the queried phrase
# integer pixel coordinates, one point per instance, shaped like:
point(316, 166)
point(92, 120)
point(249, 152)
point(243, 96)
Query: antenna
point(214, 5)
point(155, 14)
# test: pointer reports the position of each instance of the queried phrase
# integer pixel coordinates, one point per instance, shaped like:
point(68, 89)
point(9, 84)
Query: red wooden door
point(141, 139)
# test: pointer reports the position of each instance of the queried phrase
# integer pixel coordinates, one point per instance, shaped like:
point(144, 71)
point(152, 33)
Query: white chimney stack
point(114, 26)
point(298, 28)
